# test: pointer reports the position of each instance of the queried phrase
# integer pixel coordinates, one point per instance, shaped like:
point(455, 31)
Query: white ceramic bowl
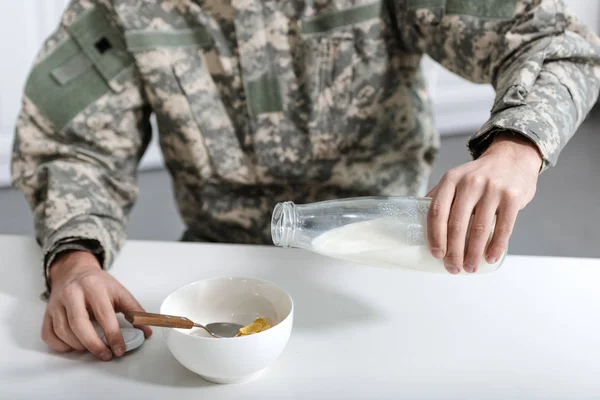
point(239, 300)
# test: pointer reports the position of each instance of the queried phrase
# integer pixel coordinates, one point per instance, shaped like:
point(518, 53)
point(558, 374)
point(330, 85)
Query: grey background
point(562, 220)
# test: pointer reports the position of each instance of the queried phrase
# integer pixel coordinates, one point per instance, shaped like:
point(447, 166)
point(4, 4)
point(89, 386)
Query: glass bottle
point(389, 232)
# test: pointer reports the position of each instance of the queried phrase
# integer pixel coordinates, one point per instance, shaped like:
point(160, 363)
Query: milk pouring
point(388, 232)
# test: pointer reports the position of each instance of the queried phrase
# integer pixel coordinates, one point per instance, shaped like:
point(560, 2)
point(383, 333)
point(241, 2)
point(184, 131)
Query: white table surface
point(530, 330)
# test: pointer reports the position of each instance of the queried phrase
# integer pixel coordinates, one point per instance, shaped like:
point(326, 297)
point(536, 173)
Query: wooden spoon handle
point(166, 321)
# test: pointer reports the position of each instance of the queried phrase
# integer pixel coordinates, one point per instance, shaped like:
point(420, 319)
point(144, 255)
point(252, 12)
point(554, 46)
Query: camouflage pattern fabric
point(259, 101)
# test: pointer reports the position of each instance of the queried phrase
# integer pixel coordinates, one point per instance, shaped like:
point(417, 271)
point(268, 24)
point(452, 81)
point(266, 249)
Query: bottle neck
point(283, 224)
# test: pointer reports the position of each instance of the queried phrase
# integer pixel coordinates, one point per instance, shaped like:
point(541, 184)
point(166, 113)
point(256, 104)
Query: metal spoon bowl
point(222, 329)
point(214, 329)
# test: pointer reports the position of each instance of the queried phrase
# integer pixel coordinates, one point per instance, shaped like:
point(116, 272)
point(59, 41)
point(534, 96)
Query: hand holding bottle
point(498, 184)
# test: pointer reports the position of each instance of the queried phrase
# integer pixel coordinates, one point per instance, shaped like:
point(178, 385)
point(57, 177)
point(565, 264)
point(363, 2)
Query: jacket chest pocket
point(351, 74)
point(197, 133)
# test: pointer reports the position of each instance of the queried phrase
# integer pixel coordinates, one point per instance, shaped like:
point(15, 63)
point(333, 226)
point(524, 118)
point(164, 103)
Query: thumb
point(124, 302)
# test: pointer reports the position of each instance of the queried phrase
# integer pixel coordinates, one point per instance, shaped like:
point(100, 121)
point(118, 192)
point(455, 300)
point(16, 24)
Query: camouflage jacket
point(259, 101)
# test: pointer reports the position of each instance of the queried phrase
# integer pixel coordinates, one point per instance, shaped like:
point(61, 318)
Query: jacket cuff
point(73, 244)
point(518, 120)
point(81, 233)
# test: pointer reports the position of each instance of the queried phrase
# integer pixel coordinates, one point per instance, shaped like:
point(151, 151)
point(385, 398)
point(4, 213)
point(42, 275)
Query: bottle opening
point(283, 224)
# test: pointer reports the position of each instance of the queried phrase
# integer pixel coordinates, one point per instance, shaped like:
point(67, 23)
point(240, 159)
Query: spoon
point(214, 329)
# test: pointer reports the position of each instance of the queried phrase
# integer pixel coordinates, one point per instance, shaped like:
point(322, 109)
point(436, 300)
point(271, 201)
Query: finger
point(126, 302)
point(63, 330)
point(505, 223)
point(82, 327)
point(105, 315)
point(432, 193)
point(479, 232)
point(437, 217)
point(458, 223)
point(50, 338)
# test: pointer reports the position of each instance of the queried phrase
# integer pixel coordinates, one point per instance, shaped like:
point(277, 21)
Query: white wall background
point(24, 24)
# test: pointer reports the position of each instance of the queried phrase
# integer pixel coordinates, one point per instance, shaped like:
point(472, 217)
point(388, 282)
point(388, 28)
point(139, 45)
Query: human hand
point(79, 284)
point(498, 184)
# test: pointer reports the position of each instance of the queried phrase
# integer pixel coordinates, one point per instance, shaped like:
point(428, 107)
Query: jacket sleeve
point(82, 129)
point(543, 62)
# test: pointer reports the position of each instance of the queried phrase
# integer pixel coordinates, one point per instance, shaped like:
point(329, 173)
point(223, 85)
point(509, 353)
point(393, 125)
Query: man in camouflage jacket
point(259, 101)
